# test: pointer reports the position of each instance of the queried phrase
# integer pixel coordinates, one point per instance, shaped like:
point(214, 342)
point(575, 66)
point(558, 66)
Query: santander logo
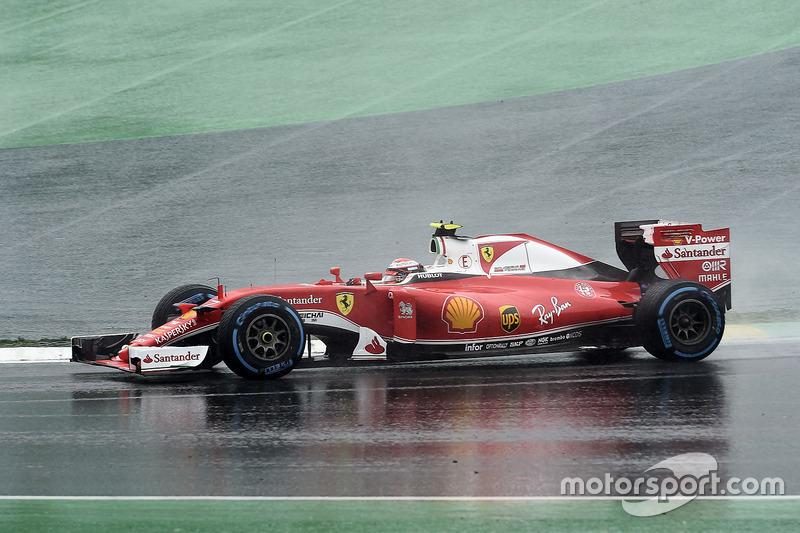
point(374, 347)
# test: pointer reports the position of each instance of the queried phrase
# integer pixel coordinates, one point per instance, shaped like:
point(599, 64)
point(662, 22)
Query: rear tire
point(680, 320)
point(261, 337)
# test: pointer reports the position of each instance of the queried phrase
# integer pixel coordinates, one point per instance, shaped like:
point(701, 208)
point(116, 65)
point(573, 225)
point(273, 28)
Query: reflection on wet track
point(504, 427)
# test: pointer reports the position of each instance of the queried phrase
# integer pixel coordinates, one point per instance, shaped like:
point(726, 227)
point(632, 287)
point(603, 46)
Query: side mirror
point(370, 277)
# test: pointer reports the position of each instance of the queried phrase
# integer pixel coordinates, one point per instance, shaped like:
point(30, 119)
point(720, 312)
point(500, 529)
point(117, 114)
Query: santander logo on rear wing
point(686, 251)
point(682, 250)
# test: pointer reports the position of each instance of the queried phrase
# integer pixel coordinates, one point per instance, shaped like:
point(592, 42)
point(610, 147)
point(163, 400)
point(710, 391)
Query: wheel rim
point(690, 322)
point(267, 337)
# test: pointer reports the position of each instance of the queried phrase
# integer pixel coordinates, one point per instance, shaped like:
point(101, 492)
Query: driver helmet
point(400, 269)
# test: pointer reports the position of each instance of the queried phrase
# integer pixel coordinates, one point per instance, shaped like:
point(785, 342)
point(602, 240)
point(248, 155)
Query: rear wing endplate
point(678, 250)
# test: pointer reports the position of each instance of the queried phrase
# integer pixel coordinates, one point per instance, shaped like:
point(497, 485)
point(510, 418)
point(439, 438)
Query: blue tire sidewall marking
point(241, 318)
point(238, 354)
point(200, 297)
point(671, 296)
point(664, 332)
point(662, 328)
point(240, 322)
point(699, 354)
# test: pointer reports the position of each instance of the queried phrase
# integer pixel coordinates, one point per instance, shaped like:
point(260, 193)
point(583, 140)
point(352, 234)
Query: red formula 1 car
point(482, 296)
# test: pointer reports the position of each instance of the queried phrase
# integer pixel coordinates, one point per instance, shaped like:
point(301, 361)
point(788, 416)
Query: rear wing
point(681, 250)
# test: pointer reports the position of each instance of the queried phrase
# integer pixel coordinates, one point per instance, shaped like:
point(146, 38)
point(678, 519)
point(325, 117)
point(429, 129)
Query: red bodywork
point(488, 295)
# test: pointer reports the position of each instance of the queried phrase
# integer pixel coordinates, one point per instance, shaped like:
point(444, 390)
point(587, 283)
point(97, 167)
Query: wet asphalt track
point(503, 427)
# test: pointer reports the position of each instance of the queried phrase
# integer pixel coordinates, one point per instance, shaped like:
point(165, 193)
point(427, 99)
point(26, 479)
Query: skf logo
point(487, 252)
point(509, 318)
point(344, 301)
point(461, 314)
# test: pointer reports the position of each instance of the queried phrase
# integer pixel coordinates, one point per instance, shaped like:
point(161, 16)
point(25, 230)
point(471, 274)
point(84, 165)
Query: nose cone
point(123, 354)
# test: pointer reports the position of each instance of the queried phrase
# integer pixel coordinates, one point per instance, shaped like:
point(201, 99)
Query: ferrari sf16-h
point(491, 295)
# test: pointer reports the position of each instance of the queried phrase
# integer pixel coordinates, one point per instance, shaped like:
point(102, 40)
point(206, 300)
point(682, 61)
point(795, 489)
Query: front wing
point(102, 350)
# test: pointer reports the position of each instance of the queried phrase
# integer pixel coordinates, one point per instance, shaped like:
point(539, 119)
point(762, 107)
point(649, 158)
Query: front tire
point(166, 310)
point(261, 337)
point(680, 320)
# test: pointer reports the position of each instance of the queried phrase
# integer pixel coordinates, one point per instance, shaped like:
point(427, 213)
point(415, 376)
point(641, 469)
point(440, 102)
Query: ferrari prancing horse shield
point(344, 301)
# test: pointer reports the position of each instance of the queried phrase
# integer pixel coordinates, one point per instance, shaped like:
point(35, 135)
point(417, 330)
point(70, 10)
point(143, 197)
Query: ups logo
point(509, 318)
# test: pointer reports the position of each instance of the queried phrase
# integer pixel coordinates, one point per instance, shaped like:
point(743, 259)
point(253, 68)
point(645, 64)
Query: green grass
point(22, 342)
point(74, 71)
point(220, 515)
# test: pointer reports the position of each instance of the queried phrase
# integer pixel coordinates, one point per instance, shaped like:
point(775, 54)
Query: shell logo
point(461, 314)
